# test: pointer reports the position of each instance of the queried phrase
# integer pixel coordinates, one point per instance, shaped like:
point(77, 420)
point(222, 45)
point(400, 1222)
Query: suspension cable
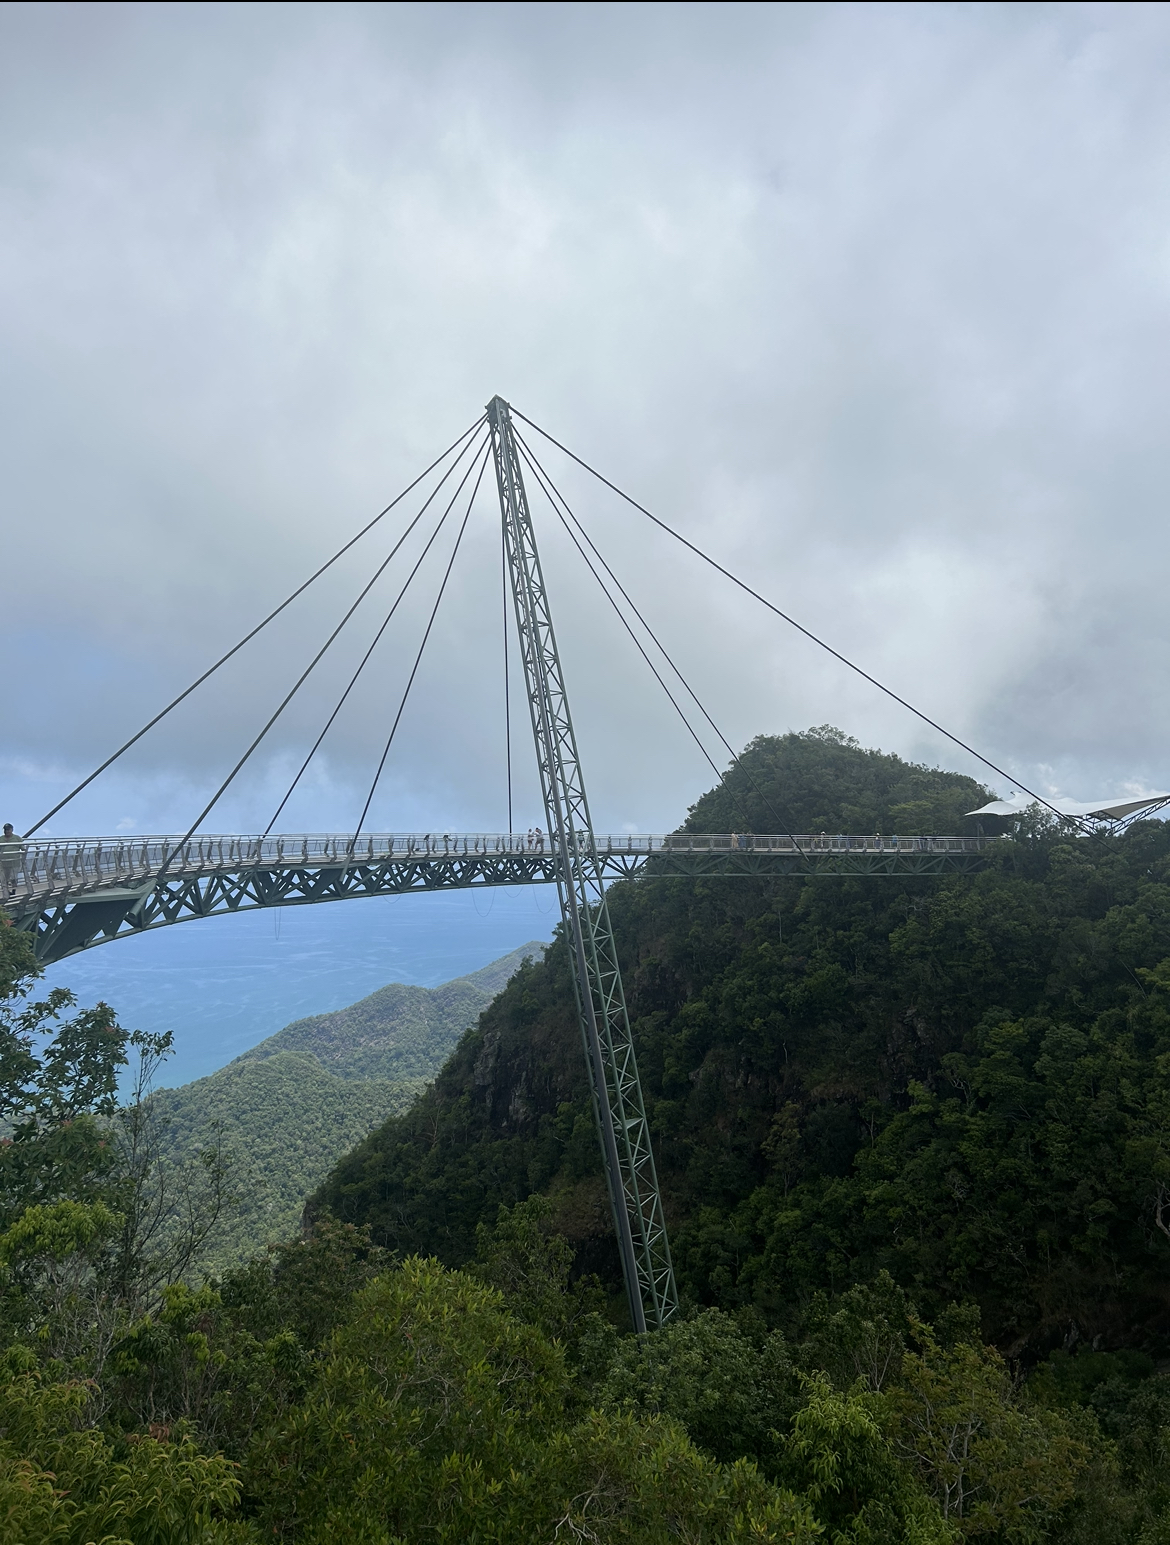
point(625, 624)
point(543, 479)
point(366, 657)
point(247, 638)
point(507, 686)
point(195, 825)
point(548, 489)
point(540, 470)
point(421, 647)
point(763, 600)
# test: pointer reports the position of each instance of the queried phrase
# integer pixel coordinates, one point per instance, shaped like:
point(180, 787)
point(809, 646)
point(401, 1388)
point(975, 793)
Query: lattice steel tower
point(597, 980)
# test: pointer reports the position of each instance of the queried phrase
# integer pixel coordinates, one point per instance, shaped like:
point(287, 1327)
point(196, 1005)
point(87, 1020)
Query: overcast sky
point(872, 302)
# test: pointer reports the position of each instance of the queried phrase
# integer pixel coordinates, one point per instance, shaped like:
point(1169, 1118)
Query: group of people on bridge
point(533, 842)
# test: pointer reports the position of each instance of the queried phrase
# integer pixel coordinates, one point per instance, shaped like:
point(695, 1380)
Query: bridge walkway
point(74, 894)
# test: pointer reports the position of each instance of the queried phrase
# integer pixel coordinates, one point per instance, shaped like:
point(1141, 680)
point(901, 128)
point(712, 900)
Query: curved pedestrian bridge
point(73, 894)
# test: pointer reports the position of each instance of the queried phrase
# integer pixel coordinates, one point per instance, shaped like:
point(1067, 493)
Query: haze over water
point(229, 982)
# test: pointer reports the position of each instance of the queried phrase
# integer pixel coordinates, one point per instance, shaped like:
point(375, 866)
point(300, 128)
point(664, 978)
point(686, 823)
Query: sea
point(222, 984)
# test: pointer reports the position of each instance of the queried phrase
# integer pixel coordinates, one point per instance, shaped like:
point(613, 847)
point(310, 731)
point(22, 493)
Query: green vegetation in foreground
point(829, 1378)
point(283, 1113)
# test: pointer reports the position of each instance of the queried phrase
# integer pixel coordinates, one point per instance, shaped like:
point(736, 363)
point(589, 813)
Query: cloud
point(870, 301)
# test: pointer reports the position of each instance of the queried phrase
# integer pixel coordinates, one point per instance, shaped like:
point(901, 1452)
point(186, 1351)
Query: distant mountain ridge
point(289, 1108)
point(399, 1031)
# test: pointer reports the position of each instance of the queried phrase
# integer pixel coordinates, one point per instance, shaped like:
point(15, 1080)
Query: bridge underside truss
point(75, 923)
point(83, 906)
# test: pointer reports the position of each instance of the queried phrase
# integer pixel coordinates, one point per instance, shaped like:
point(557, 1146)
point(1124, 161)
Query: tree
point(230, 1357)
point(438, 1415)
point(94, 1226)
point(64, 1482)
point(840, 1454)
point(732, 1393)
point(994, 1466)
point(531, 1265)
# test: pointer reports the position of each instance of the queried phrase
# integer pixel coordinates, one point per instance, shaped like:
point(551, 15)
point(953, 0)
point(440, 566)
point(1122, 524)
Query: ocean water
point(222, 984)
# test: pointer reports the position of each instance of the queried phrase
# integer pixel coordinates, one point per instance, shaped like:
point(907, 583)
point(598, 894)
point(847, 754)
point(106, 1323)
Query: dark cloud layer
point(871, 301)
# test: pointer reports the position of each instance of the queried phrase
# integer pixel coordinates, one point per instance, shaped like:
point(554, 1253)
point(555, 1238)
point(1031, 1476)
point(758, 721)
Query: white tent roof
point(1101, 809)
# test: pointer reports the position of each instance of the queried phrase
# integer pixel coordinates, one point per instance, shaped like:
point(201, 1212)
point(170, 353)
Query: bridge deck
point(73, 894)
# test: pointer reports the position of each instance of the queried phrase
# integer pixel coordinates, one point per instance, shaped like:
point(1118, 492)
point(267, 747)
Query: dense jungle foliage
point(912, 1135)
point(291, 1106)
point(281, 1123)
point(961, 1080)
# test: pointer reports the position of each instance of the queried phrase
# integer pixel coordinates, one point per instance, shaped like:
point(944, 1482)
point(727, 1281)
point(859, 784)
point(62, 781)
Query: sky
point(872, 303)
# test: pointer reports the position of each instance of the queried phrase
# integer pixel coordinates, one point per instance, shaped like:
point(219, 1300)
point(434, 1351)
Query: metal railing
point(89, 863)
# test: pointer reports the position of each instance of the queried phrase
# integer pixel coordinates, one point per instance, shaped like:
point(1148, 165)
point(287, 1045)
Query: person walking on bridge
point(11, 853)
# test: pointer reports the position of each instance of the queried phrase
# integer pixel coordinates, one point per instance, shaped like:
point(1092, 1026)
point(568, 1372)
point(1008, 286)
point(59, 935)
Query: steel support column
point(605, 1025)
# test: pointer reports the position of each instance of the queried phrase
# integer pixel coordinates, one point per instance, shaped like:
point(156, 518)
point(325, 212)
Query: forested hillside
point(280, 1124)
point(284, 1112)
point(960, 1080)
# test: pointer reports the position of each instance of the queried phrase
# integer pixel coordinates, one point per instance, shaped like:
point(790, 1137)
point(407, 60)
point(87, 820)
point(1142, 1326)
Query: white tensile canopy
point(1095, 810)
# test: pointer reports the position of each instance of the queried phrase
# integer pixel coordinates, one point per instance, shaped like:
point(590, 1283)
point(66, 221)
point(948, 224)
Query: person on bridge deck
point(539, 838)
point(11, 851)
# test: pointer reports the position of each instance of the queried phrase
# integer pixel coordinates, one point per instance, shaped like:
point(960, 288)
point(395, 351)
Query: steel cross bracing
point(72, 895)
point(601, 1003)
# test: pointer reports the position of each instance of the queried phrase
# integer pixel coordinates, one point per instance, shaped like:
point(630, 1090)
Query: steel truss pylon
point(601, 1003)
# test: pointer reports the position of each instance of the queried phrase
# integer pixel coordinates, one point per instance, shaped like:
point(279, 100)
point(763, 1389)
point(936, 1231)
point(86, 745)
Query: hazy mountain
point(399, 1031)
